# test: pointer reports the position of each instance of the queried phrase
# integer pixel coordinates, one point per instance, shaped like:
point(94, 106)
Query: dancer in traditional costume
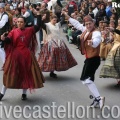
point(4, 27)
point(21, 69)
point(90, 47)
point(111, 68)
point(55, 56)
point(107, 42)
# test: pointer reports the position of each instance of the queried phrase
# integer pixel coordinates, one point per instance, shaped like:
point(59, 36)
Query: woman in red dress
point(21, 70)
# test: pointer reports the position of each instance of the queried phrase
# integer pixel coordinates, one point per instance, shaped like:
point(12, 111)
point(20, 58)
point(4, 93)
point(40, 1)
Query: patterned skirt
point(111, 68)
point(55, 56)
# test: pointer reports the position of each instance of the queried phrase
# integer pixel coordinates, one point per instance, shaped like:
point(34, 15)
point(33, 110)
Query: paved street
point(66, 89)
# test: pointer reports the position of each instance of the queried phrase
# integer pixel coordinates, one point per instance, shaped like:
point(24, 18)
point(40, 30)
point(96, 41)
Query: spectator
point(72, 6)
point(109, 8)
point(29, 16)
point(95, 9)
point(100, 14)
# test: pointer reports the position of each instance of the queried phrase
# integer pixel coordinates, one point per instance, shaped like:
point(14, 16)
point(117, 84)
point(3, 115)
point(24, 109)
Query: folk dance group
point(23, 71)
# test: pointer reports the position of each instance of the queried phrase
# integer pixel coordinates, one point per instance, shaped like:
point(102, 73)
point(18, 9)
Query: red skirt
point(21, 71)
point(55, 56)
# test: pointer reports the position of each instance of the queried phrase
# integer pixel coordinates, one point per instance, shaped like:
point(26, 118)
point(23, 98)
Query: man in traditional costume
point(4, 27)
point(90, 47)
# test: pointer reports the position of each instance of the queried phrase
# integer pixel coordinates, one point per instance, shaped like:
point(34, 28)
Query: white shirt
point(14, 5)
point(27, 14)
point(77, 24)
point(3, 21)
point(96, 38)
point(95, 11)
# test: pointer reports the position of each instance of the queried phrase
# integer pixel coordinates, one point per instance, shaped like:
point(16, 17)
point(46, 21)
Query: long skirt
point(111, 68)
point(22, 71)
point(55, 56)
point(90, 67)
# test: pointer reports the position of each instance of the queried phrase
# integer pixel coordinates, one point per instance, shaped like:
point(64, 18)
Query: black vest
point(6, 27)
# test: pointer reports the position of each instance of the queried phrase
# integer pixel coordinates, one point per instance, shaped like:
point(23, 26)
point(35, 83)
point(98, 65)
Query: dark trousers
point(90, 67)
point(58, 16)
point(41, 37)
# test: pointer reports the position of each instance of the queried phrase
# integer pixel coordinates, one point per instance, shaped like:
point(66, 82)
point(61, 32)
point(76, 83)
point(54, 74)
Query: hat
point(87, 18)
point(2, 5)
